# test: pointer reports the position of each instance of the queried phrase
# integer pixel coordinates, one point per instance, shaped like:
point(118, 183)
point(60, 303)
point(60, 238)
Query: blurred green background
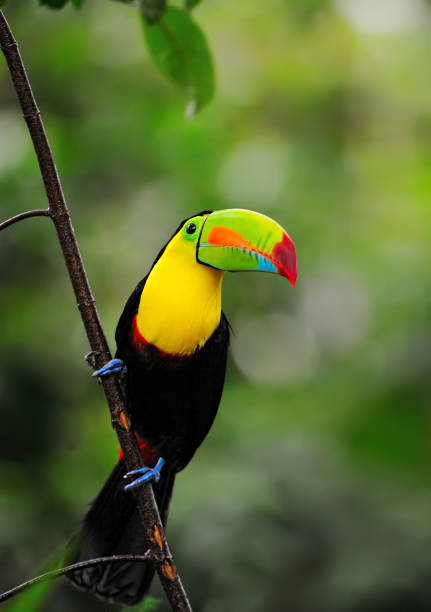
point(312, 491)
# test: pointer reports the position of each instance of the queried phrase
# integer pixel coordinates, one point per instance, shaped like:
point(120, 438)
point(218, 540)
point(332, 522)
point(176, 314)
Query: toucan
point(172, 342)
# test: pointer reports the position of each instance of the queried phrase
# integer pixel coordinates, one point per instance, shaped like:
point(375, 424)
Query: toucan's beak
point(236, 239)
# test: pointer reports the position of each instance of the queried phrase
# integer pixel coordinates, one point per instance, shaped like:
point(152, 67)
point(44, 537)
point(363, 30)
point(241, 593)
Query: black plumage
point(172, 402)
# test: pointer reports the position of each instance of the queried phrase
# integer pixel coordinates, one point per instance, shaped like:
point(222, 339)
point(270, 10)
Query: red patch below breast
point(148, 456)
point(137, 338)
point(146, 348)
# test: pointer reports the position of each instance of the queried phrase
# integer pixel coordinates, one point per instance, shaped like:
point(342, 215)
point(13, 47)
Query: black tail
point(112, 527)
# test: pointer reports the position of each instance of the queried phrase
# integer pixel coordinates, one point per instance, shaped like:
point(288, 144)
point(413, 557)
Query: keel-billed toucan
point(172, 340)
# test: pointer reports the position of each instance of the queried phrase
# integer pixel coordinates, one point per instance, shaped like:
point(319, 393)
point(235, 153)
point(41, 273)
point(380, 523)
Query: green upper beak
point(237, 239)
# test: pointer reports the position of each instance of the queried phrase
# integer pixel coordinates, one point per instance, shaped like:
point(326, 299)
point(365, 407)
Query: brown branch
point(70, 568)
point(159, 549)
point(40, 212)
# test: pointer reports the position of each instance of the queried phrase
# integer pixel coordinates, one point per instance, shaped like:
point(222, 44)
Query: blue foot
point(112, 367)
point(148, 475)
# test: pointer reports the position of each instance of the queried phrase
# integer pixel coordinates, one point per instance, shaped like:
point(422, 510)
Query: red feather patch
point(148, 456)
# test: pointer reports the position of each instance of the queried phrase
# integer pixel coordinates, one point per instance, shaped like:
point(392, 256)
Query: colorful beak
point(236, 239)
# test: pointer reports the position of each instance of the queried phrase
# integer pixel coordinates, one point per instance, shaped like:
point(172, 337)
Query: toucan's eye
point(191, 228)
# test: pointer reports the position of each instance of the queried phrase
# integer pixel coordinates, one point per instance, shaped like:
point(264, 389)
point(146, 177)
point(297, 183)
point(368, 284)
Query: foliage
point(176, 44)
point(35, 598)
point(180, 51)
point(150, 604)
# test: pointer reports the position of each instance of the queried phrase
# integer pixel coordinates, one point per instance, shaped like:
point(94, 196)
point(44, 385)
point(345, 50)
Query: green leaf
point(135, 3)
point(150, 604)
point(34, 597)
point(54, 4)
point(77, 3)
point(190, 4)
point(180, 51)
point(153, 9)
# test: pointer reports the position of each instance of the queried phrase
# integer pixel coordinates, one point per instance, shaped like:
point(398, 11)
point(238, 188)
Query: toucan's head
point(180, 305)
point(237, 240)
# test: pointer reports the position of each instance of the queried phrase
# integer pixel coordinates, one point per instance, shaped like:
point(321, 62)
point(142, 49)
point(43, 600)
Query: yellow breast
point(180, 305)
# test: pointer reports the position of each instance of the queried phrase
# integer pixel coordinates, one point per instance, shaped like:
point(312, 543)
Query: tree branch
point(59, 213)
point(70, 568)
point(40, 212)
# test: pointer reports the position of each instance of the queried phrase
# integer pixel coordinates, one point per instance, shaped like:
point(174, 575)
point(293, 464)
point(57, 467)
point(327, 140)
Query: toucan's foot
point(90, 358)
point(148, 475)
point(115, 366)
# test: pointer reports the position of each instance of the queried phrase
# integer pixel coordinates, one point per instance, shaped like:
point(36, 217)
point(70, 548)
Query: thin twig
point(70, 568)
point(59, 213)
point(39, 212)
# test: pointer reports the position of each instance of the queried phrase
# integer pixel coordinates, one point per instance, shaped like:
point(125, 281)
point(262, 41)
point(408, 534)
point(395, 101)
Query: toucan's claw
point(148, 475)
point(142, 470)
point(90, 358)
point(112, 367)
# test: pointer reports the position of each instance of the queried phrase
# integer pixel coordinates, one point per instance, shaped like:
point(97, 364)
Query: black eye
point(191, 228)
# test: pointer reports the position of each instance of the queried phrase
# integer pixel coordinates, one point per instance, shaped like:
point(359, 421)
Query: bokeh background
point(312, 491)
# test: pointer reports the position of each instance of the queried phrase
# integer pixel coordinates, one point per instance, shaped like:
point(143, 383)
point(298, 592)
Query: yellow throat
point(180, 305)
